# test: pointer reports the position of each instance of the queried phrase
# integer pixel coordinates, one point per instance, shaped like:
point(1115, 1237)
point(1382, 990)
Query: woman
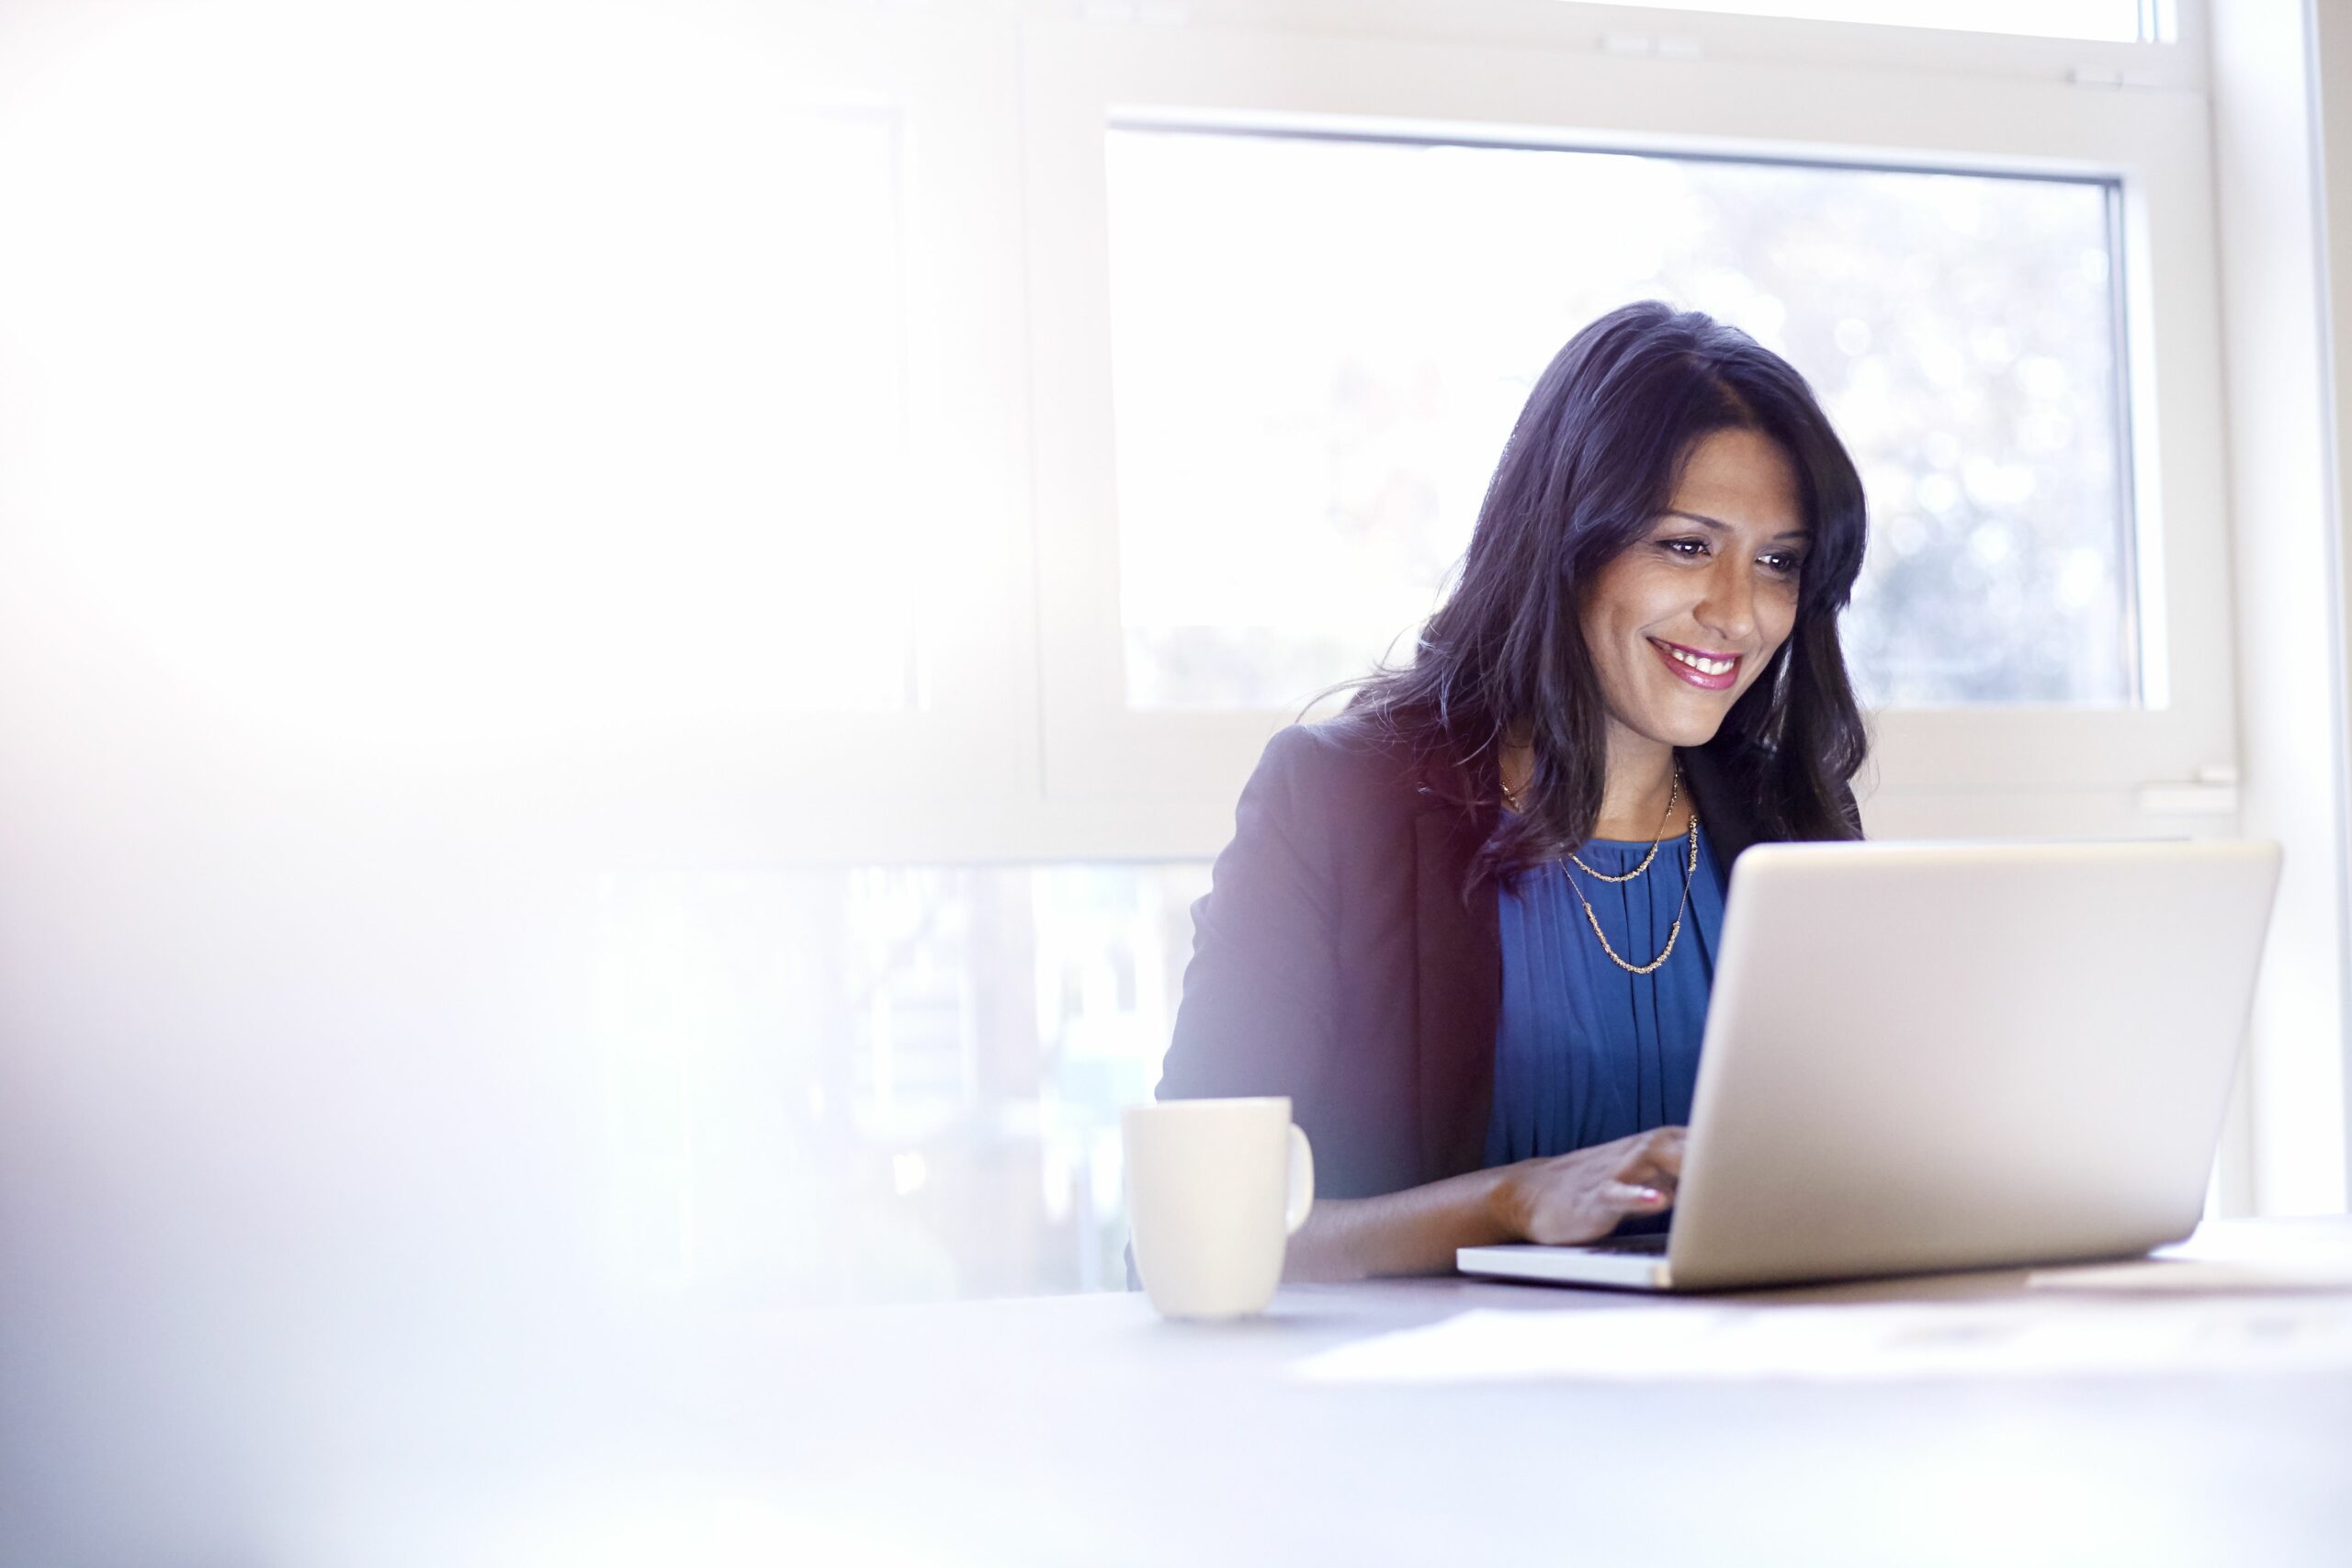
point(1468, 926)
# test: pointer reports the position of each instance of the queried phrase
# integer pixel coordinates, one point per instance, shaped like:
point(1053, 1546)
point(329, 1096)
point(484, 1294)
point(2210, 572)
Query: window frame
point(1812, 92)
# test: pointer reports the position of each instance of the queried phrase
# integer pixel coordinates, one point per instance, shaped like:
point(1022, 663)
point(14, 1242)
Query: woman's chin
point(1684, 724)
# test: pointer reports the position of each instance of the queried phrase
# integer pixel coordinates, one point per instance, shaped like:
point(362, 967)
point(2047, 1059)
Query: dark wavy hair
point(1593, 461)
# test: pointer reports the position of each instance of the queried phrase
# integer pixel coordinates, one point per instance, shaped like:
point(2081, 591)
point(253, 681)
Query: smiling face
point(1686, 617)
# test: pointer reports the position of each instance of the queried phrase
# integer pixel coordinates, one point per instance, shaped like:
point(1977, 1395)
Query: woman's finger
point(1655, 1180)
point(1646, 1172)
point(1635, 1198)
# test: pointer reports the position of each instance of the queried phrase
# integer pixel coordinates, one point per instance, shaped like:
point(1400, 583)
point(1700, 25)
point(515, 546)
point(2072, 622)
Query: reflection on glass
point(1320, 345)
point(871, 1085)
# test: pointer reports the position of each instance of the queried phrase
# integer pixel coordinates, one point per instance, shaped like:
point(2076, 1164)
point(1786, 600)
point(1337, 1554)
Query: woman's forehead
point(1741, 480)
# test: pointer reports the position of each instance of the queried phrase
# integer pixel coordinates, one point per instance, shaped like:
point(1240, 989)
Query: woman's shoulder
point(1346, 757)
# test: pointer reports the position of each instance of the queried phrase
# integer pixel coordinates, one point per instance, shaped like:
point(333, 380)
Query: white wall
point(2278, 268)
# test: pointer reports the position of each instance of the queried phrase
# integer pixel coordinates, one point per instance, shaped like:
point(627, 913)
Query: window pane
point(767, 527)
point(553, 413)
point(2126, 21)
point(1321, 344)
point(881, 1084)
point(819, 608)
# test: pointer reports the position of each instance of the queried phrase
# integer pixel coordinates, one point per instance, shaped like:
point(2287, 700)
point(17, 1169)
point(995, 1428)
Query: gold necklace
point(1511, 798)
point(1688, 870)
point(1667, 816)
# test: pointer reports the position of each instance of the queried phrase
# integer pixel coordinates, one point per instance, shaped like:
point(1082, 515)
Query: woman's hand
point(1570, 1198)
point(1583, 1195)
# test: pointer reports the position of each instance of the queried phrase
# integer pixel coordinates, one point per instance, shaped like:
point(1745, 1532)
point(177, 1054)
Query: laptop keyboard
point(1636, 1244)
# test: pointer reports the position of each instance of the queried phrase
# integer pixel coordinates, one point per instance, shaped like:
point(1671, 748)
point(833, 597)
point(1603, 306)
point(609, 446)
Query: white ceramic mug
point(1215, 1188)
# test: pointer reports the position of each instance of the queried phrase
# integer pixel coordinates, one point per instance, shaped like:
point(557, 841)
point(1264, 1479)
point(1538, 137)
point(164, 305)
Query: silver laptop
point(1933, 1056)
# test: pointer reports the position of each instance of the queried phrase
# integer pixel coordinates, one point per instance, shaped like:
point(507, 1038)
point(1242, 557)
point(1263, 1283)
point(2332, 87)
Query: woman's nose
point(1729, 608)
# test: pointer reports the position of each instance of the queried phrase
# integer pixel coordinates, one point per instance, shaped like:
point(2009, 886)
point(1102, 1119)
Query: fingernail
point(1650, 1195)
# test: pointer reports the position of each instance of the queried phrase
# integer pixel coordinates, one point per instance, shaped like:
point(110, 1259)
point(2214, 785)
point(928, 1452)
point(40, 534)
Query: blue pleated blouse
point(1585, 1052)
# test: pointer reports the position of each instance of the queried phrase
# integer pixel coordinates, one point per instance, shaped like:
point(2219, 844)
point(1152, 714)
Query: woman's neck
point(1640, 779)
point(1635, 795)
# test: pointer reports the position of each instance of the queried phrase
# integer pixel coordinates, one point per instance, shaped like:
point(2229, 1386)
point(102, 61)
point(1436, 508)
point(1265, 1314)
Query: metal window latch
point(2213, 791)
point(1649, 46)
point(1147, 13)
point(2110, 78)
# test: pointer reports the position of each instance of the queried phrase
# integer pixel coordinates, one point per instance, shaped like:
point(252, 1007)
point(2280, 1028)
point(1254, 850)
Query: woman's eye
point(1784, 563)
point(1689, 549)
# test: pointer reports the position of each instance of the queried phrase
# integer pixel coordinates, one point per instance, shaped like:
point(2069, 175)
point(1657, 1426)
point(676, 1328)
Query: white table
point(1083, 1430)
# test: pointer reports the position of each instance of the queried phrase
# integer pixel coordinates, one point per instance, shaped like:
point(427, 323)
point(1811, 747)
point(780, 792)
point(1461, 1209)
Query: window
point(1396, 234)
point(879, 1083)
point(759, 521)
point(632, 369)
point(1395, 299)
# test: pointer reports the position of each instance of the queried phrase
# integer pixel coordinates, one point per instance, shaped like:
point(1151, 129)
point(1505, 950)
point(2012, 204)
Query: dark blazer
point(1336, 960)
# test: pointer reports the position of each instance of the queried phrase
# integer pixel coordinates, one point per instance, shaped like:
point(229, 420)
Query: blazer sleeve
point(1260, 1010)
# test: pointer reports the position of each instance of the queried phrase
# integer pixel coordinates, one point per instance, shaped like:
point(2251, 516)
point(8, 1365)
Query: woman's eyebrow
point(1721, 526)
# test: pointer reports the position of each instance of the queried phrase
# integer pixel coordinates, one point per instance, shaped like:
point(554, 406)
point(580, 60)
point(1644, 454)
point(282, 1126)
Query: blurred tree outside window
point(1393, 302)
point(833, 1086)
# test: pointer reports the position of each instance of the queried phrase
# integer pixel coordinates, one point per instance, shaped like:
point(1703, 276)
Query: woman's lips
point(1722, 672)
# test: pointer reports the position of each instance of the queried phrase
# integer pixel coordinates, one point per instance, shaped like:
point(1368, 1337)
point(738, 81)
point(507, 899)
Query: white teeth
point(1704, 666)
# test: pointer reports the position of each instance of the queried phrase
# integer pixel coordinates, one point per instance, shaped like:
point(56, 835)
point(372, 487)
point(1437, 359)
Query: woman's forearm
point(1412, 1231)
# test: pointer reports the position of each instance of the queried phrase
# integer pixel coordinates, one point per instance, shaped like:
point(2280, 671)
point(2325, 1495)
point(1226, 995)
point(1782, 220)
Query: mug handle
point(1302, 1182)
